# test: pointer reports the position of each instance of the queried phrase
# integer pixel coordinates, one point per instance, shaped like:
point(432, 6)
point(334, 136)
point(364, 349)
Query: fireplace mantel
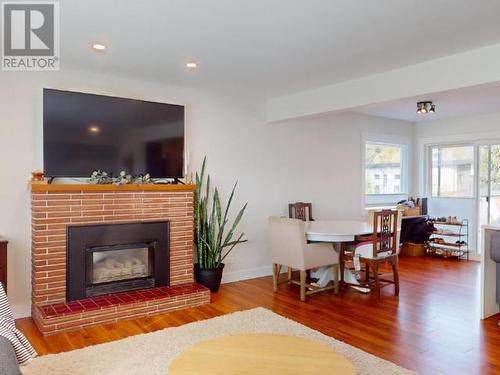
point(45, 187)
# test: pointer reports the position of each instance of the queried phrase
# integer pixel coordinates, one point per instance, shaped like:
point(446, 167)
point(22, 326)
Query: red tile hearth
point(118, 299)
point(111, 308)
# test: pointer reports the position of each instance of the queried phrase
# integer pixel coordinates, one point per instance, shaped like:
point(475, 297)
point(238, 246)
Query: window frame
point(387, 199)
point(429, 167)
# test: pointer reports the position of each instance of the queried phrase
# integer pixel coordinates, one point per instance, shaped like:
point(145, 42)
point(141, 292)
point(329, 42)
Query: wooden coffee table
point(260, 354)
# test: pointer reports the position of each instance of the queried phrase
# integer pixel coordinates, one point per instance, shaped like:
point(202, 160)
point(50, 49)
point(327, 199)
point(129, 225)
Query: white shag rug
point(151, 353)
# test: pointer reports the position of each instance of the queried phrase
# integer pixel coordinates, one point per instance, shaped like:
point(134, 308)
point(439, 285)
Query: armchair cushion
point(320, 254)
point(287, 241)
point(289, 246)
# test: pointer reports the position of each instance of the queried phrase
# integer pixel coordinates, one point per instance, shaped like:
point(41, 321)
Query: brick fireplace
point(59, 209)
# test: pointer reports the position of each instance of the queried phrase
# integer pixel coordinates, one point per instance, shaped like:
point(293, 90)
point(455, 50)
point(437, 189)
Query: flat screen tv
point(86, 132)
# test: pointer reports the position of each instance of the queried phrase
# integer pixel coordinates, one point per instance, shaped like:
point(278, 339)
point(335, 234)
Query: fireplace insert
point(115, 268)
point(111, 258)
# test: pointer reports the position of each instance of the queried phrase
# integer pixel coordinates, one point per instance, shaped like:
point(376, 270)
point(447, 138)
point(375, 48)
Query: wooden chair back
point(301, 211)
point(385, 232)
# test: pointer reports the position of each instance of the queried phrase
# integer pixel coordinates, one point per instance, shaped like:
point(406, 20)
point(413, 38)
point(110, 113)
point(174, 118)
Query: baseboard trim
point(22, 310)
point(246, 274)
point(474, 256)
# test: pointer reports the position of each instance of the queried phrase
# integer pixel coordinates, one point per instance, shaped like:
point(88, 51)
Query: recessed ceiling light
point(191, 65)
point(94, 129)
point(98, 47)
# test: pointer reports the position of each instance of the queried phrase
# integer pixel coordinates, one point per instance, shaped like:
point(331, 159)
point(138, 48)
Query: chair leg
point(395, 273)
point(335, 271)
point(275, 277)
point(303, 276)
point(377, 280)
point(290, 270)
point(342, 267)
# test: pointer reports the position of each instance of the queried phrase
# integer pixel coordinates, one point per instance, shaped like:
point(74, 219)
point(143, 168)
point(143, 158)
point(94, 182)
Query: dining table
point(336, 232)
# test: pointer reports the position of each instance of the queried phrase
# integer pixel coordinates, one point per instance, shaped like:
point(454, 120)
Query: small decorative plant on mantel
point(212, 239)
point(101, 177)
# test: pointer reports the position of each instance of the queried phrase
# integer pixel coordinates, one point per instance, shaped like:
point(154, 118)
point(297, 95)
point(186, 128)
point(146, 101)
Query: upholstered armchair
point(289, 248)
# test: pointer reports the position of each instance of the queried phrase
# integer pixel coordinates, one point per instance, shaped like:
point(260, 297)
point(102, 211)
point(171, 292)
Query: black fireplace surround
point(111, 258)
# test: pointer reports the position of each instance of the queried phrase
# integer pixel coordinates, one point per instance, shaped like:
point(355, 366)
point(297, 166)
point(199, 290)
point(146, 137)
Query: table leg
point(336, 282)
point(338, 248)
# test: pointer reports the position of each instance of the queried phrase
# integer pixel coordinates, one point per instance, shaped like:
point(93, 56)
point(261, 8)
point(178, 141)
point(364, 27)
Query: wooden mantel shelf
point(44, 187)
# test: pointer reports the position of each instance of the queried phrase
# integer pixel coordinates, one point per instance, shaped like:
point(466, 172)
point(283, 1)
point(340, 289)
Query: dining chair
point(371, 214)
point(373, 251)
point(289, 248)
point(300, 210)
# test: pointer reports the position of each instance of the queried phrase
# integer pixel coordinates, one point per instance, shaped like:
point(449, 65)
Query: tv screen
point(86, 132)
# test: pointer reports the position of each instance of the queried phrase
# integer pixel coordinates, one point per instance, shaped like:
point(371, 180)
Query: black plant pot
point(208, 277)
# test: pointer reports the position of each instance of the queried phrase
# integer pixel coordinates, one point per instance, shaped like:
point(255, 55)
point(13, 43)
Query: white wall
point(326, 156)
point(462, 208)
point(477, 129)
point(317, 160)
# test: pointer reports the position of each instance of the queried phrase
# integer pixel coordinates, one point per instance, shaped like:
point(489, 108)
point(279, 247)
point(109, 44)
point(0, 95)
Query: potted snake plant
point(213, 235)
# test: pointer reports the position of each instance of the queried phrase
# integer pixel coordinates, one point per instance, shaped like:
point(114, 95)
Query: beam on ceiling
point(470, 68)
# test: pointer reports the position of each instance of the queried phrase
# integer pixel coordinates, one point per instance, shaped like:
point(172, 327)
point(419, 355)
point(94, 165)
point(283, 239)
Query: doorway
point(489, 187)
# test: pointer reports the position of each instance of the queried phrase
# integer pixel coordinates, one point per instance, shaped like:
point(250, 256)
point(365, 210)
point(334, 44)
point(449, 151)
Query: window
point(384, 166)
point(452, 171)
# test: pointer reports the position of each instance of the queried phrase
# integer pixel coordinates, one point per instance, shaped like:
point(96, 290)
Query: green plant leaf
point(210, 224)
point(235, 224)
point(217, 207)
point(229, 201)
point(233, 244)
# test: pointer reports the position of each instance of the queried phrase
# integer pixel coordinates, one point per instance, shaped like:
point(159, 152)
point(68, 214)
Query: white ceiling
point(271, 47)
point(454, 103)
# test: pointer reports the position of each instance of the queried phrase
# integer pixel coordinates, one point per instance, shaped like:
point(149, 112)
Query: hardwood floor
point(433, 327)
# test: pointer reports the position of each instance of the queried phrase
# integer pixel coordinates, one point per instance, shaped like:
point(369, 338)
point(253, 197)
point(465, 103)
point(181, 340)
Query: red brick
point(56, 227)
point(98, 201)
point(64, 214)
point(88, 219)
point(85, 196)
point(51, 221)
point(65, 202)
point(88, 207)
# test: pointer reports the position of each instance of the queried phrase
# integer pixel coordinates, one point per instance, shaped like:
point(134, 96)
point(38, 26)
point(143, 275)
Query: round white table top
point(338, 227)
point(336, 230)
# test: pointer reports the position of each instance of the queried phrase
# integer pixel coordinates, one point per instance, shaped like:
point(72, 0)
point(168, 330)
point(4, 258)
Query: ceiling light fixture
point(425, 107)
point(94, 129)
point(98, 47)
point(191, 65)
